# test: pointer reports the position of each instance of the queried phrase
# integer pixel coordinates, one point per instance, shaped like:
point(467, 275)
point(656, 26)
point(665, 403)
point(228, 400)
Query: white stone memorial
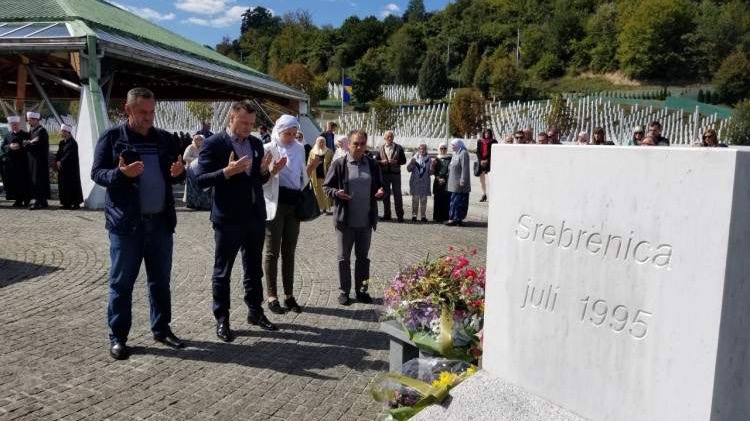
point(618, 280)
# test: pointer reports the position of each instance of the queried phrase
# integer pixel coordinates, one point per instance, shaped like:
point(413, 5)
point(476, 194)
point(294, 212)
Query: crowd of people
point(25, 165)
point(256, 191)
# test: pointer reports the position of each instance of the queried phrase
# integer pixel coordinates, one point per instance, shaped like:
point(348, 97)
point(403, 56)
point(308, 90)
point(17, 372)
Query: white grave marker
point(617, 281)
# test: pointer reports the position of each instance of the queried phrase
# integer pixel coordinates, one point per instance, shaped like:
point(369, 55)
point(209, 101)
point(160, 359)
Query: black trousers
point(230, 239)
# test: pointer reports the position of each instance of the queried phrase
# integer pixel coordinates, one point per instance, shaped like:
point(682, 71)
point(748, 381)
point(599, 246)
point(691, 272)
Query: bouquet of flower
point(440, 304)
point(425, 381)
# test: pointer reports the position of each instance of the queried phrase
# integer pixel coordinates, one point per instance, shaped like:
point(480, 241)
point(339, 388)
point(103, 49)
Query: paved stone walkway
point(54, 362)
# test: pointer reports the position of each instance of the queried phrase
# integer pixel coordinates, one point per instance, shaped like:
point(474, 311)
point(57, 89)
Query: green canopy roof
point(100, 15)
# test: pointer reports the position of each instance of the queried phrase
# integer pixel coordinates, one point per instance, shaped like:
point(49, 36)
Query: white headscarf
point(284, 122)
point(458, 143)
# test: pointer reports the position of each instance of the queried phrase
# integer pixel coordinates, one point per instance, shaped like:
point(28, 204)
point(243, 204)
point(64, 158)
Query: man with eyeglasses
point(391, 157)
point(519, 137)
point(354, 183)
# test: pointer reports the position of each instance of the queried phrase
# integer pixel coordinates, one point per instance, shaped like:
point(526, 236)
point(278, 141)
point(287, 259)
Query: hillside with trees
point(475, 44)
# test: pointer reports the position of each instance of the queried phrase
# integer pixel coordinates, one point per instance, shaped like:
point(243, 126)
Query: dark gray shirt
point(360, 184)
point(153, 189)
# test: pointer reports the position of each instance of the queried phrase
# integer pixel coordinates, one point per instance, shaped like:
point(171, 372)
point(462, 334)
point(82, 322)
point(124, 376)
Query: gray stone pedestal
point(401, 349)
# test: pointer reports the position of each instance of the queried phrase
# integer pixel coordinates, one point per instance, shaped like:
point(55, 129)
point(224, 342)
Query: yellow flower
point(446, 379)
point(471, 370)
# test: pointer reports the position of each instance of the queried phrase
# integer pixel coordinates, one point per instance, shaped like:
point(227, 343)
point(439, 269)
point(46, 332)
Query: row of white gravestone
point(614, 298)
point(586, 113)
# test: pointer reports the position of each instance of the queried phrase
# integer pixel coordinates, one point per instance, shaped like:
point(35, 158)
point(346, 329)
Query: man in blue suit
point(234, 164)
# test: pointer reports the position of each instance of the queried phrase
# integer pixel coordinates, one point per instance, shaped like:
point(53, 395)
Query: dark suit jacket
point(398, 153)
point(239, 199)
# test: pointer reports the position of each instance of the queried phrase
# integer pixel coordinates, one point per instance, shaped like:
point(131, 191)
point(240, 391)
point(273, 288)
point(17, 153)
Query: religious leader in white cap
point(68, 171)
point(14, 165)
point(38, 151)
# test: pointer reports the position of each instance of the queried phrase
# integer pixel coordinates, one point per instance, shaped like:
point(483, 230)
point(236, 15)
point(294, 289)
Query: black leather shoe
point(483, 198)
point(424, 219)
point(223, 332)
point(119, 351)
point(364, 297)
point(18, 204)
point(450, 223)
point(385, 218)
point(291, 305)
point(35, 206)
point(261, 321)
point(170, 340)
point(400, 219)
point(344, 300)
point(275, 307)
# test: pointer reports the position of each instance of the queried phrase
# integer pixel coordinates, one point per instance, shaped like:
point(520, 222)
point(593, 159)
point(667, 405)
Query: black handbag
point(307, 209)
point(477, 171)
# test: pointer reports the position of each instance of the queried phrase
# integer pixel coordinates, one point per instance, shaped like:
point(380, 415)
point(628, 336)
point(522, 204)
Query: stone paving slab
point(54, 362)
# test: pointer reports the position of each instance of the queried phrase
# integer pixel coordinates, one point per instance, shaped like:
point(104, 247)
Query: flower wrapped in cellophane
point(424, 382)
point(440, 304)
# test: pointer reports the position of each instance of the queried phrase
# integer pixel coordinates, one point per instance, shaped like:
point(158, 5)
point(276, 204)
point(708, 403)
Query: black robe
point(38, 153)
point(69, 174)
point(16, 179)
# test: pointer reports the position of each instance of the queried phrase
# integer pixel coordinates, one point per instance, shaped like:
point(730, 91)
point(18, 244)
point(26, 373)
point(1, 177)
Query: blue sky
point(207, 21)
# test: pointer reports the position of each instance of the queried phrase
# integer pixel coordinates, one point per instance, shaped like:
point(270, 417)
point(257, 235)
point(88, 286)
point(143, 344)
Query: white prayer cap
point(14, 119)
point(32, 114)
point(66, 128)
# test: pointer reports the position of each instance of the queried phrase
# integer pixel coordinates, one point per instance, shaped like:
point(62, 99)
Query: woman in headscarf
point(484, 156)
point(583, 138)
point(342, 147)
point(320, 159)
point(459, 183)
point(419, 182)
point(283, 192)
point(68, 171)
point(195, 197)
point(599, 137)
point(637, 135)
point(441, 196)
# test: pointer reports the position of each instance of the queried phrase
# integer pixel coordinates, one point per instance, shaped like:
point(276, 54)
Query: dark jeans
point(459, 206)
point(281, 238)
point(152, 244)
point(359, 239)
point(229, 240)
point(392, 183)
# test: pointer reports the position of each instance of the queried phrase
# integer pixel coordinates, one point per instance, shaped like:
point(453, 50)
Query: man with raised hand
point(234, 163)
point(138, 163)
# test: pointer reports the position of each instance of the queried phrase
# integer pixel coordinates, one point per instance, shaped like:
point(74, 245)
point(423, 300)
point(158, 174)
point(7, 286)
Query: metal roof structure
point(126, 43)
point(95, 52)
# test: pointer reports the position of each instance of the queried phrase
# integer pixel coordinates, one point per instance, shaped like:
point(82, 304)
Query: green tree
point(732, 80)
point(560, 115)
point(359, 35)
point(483, 74)
point(653, 40)
point(261, 20)
point(467, 112)
point(203, 111)
point(433, 80)
point(600, 42)
point(506, 79)
point(405, 54)
point(367, 77)
point(386, 113)
point(548, 67)
point(739, 128)
point(415, 11)
point(470, 65)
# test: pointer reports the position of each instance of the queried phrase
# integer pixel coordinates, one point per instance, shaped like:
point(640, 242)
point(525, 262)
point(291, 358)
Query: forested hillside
point(473, 43)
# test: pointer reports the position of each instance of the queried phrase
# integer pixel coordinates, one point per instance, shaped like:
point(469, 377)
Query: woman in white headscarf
point(342, 147)
point(282, 193)
point(320, 159)
point(441, 196)
point(459, 183)
point(419, 182)
point(195, 197)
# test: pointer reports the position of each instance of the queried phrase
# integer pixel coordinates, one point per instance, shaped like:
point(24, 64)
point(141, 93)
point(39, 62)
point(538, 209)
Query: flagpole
point(342, 92)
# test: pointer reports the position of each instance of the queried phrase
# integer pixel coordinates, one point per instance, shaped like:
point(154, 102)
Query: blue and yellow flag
point(346, 91)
